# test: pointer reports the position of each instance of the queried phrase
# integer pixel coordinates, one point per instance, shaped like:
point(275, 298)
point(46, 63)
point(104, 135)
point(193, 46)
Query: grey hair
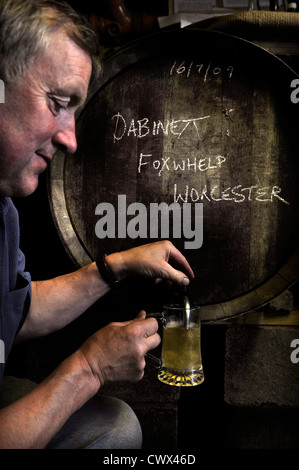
point(25, 29)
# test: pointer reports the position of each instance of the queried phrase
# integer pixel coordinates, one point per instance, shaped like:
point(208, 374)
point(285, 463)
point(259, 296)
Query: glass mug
point(180, 363)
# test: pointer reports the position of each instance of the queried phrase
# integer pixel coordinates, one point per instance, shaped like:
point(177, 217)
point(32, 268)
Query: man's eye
point(59, 104)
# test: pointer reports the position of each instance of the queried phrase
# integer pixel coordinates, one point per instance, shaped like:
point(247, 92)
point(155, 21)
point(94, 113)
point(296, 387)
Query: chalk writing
point(236, 194)
point(183, 164)
point(144, 127)
point(205, 70)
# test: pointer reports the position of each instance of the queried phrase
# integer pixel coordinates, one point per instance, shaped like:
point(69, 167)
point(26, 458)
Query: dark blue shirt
point(15, 283)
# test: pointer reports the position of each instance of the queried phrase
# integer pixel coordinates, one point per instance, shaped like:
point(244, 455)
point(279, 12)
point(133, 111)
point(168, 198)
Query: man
point(47, 61)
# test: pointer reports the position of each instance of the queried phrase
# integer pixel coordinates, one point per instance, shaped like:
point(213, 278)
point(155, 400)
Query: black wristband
point(105, 271)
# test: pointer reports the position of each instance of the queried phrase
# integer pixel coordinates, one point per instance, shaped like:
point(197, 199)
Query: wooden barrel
point(204, 121)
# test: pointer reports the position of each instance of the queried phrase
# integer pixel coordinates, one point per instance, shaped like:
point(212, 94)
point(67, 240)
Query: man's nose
point(65, 137)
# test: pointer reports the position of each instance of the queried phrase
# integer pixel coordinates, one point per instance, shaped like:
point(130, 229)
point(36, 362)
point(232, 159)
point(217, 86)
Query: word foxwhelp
point(159, 216)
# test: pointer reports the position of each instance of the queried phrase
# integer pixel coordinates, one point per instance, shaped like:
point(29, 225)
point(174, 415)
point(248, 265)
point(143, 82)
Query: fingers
point(168, 272)
point(159, 260)
point(142, 331)
point(173, 264)
point(149, 325)
point(176, 267)
point(180, 260)
point(153, 342)
point(173, 261)
point(116, 352)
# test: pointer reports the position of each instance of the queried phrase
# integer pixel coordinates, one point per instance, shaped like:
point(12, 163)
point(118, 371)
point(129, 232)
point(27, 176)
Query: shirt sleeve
point(24, 279)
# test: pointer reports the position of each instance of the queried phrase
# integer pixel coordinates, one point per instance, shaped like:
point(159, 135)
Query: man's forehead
point(66, 67)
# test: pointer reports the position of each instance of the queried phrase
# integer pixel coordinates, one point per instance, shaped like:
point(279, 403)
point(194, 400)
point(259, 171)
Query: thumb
point(141, 316)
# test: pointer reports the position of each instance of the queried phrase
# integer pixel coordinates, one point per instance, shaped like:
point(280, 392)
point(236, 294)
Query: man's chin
point(25, 188)
point(20, 186)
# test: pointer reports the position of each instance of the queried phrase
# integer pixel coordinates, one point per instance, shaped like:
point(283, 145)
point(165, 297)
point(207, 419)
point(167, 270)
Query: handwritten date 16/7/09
point(188, 69)
point(204, 70)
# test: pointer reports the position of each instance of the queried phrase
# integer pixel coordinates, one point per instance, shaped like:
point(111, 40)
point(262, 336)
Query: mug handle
point(155, 360)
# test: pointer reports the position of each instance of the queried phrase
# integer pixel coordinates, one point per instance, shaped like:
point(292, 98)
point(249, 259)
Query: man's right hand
point(116, 352)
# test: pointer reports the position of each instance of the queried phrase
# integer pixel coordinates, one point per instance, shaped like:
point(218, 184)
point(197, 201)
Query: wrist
point(105, 271)
point(116, 265)
point(78, 372)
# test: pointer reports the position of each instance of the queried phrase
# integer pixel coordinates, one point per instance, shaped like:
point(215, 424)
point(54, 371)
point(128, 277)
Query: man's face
point(38, 116)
